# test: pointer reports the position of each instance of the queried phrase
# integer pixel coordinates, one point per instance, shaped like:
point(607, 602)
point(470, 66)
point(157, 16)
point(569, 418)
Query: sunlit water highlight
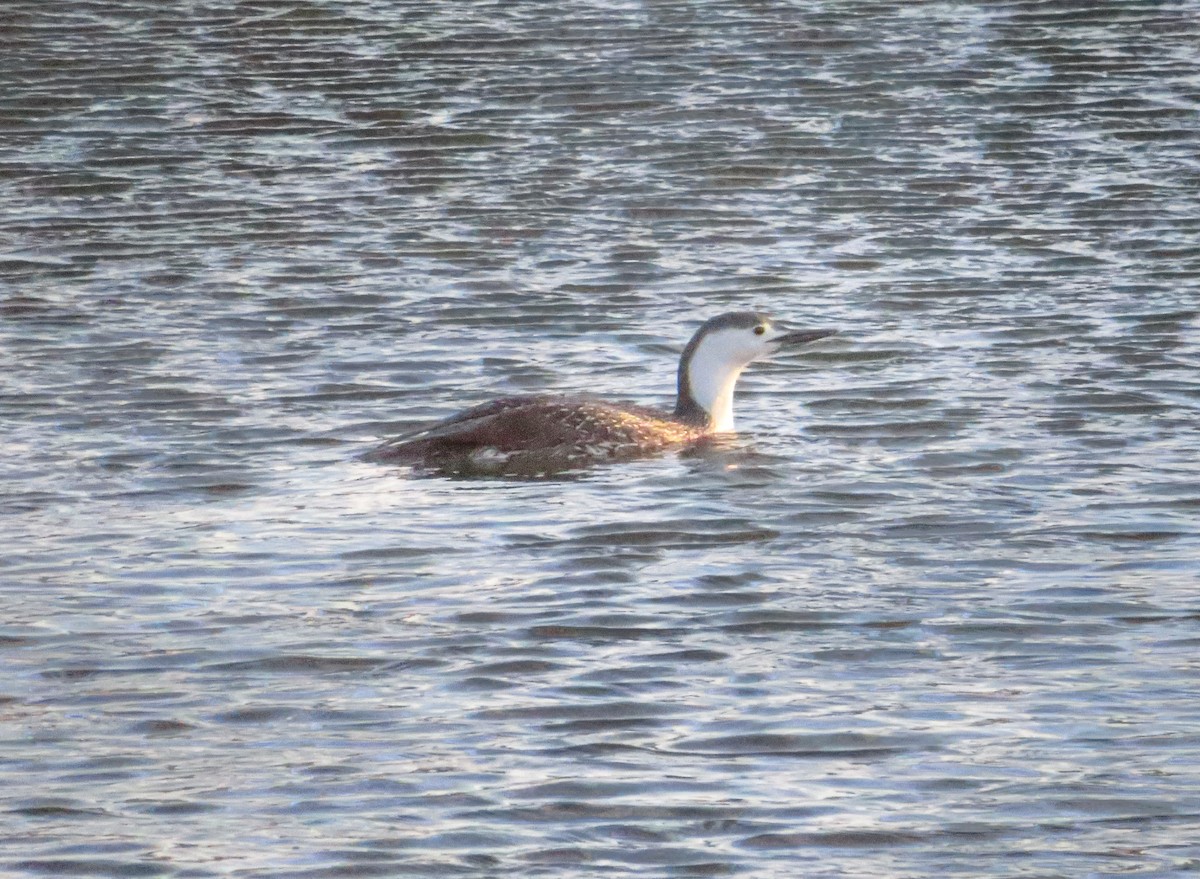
point(934, 614)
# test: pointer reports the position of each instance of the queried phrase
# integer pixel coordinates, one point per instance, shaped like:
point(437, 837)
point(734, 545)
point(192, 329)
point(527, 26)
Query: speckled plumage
point(532, 435)
point(541, 434)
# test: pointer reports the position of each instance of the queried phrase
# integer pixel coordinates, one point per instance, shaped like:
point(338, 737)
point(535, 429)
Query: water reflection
point(934, 609)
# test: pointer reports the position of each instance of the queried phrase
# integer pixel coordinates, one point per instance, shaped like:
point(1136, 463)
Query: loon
point(541, 435)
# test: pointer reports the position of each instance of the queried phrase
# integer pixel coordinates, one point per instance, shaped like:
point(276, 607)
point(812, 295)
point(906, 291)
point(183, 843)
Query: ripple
point(934, 608)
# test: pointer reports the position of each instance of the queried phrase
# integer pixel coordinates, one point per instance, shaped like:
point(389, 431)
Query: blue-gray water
point(936, 614)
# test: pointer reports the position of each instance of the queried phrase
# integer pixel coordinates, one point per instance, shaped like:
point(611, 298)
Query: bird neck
point(707, 378)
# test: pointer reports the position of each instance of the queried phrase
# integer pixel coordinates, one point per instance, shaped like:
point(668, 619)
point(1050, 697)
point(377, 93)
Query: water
point(934, 614)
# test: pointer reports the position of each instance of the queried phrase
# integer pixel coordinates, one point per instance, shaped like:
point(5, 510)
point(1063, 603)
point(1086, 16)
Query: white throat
point(712, 374)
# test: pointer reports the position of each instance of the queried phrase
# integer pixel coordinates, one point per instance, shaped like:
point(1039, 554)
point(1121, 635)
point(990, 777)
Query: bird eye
point(759, 330)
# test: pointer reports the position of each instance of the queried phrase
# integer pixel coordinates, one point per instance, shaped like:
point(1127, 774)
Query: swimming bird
point(544, 434)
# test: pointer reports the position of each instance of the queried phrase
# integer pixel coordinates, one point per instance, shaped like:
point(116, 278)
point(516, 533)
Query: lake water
point(935, 613)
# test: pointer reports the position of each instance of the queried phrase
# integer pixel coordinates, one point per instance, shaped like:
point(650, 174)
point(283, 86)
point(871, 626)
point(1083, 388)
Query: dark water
point(936, 614)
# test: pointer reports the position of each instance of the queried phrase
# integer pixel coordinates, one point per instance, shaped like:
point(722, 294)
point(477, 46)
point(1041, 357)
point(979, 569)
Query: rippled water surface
point(935, 613)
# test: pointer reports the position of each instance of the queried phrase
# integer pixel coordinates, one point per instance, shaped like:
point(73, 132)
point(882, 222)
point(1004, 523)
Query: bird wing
point(521, 424)
point(464, 420)
point(508, 419)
